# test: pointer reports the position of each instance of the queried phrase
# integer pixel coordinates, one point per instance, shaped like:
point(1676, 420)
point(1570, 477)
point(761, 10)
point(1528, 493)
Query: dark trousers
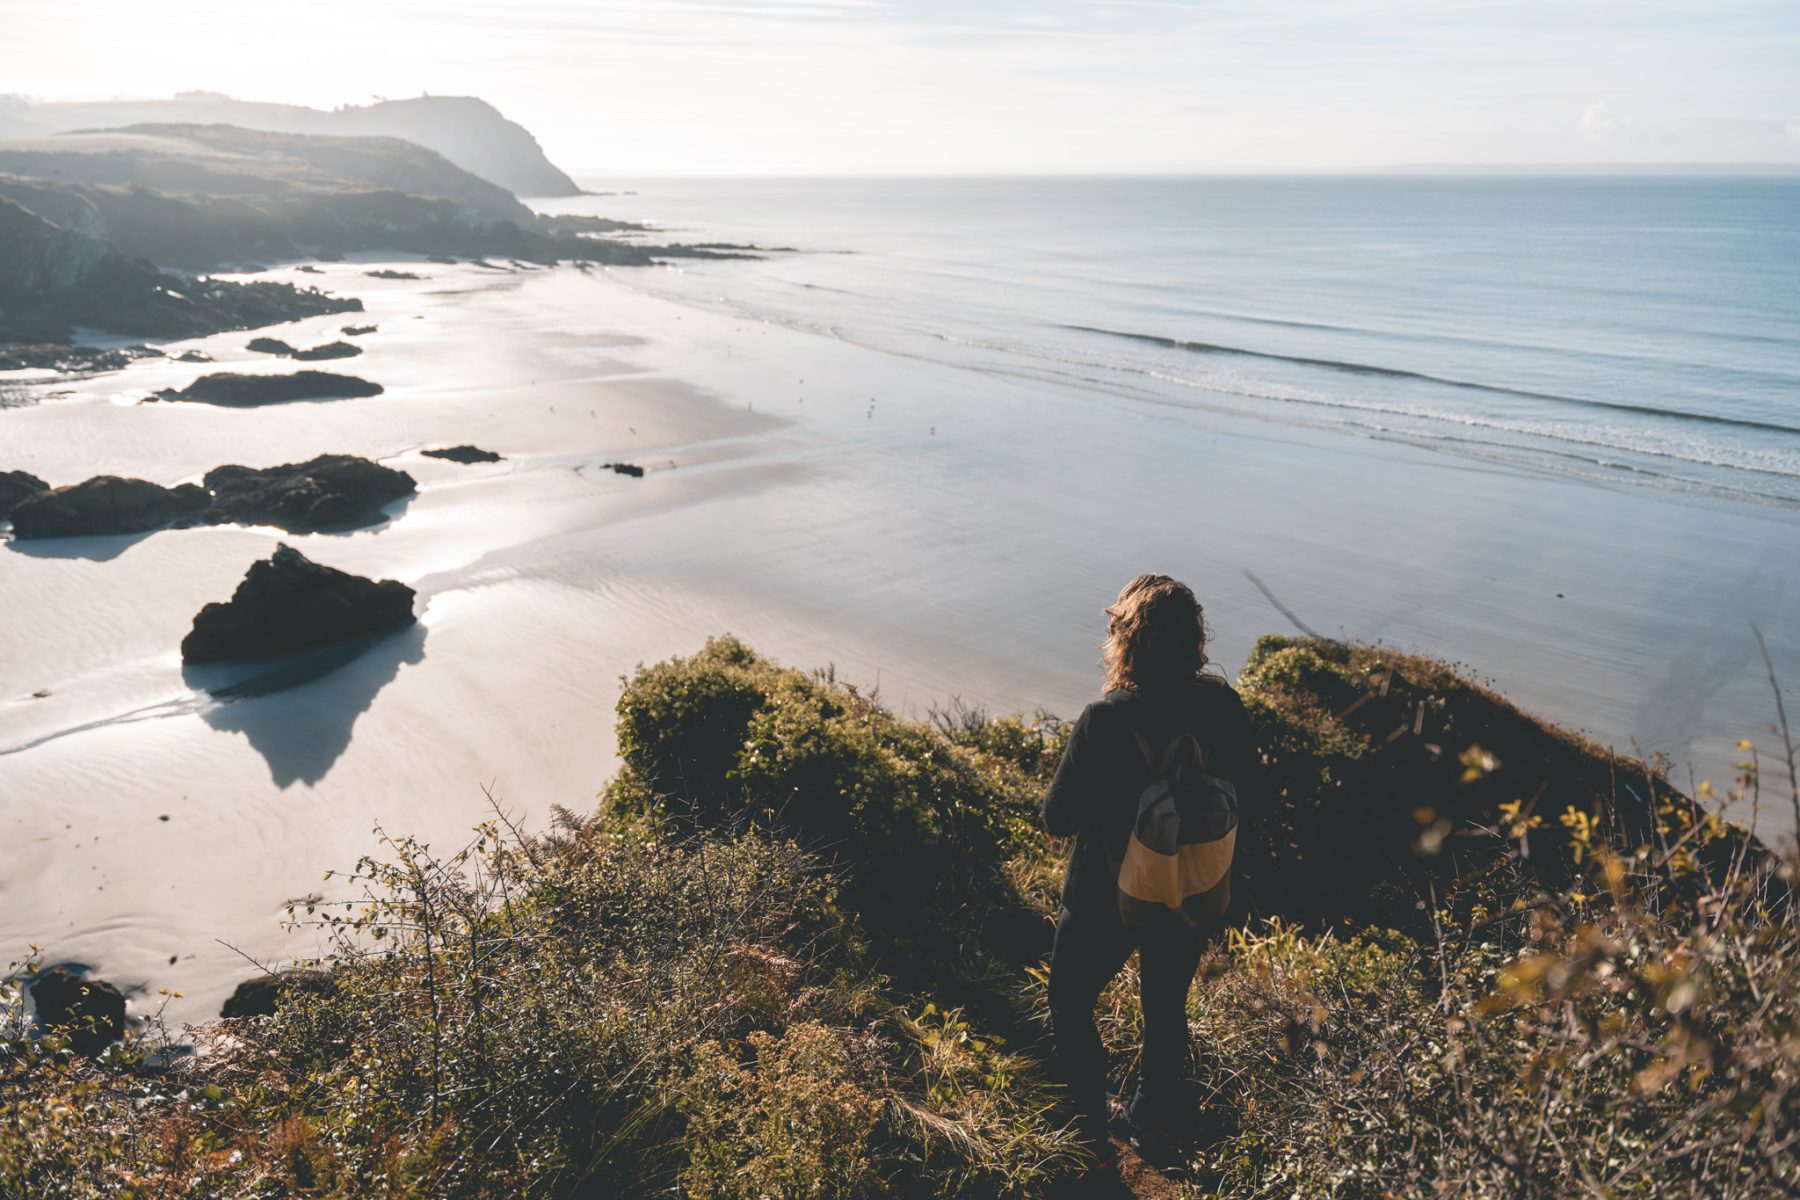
point(1091, 947)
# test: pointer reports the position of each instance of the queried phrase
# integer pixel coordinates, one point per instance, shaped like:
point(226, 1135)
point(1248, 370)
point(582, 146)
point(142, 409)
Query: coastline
point(932, 531)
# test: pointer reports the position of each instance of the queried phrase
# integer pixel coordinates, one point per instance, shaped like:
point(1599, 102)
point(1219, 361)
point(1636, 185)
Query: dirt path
point(1130, 1177)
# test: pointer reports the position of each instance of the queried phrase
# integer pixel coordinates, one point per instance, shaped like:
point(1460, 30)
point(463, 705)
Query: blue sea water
point(1639, 330)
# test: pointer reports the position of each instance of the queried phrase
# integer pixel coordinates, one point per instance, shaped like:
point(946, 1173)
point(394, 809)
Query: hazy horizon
point(1121, 87)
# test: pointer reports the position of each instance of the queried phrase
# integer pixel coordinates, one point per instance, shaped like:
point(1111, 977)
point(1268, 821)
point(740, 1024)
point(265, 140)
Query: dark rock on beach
point(287, 604)
point(193, 356)
point(106, 504)
point(328, 350)
point(463, 454)
point(269, 345)
point(358, 330)
point(392, 274)
point(90, 1011)
point(624, 468)
point(261, 996)
point(16, 486)
point(333, 491)
point(231, 390)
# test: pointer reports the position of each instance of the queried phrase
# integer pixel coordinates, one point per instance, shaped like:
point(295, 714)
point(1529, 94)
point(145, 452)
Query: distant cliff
point(469, 132)
point(225, 161)
point(56, 277)
point(198, 197)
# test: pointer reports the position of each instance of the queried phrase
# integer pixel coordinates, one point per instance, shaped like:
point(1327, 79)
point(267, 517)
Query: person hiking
point(1149, 787)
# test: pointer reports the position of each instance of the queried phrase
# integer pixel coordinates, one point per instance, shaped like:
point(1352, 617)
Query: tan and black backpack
point(1179, 856)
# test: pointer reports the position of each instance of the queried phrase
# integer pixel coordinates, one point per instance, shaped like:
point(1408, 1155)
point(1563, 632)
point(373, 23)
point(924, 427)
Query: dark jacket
point(1094, 795)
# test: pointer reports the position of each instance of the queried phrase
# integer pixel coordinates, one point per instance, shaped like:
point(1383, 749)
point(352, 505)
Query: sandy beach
point(936, 532)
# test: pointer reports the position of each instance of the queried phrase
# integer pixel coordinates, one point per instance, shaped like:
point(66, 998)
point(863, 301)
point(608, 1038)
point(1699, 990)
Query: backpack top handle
point(1179, 755)
point(1172, 758)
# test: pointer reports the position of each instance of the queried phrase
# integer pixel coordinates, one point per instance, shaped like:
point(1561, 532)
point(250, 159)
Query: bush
point(1389, 775)
point(922, 823)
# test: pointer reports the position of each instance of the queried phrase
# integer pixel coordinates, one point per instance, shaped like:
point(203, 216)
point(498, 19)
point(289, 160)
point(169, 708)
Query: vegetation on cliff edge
point(798, 952)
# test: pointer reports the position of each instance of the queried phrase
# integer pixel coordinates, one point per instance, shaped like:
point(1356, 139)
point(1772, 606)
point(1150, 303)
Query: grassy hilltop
point(797, 952)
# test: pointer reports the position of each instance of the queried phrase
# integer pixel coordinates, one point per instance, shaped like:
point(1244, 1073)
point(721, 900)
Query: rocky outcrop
point(327, 351)
point(288, 604)
point(91, 1012)
point(228, 389)
point(106, 504)
point(52, 278)
point(333, 491)
point(261, 996)
point(463, 454)
point(269, 345)
point(358, 330)
point(389, 273)
point(624, 468)
point(16, 486)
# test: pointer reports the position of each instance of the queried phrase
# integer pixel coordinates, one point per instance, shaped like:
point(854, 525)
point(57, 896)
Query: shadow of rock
point(390, 512)
point(300, 713)
point(103, 548)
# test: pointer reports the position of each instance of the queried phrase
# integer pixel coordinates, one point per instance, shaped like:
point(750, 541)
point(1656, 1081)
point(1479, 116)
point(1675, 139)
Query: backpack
point(1179, 855)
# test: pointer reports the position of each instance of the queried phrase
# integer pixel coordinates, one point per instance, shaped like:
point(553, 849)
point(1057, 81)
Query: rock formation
point(463, 454)
point(261, 996)
point(287, 604)
point(106, 504)
point(90, 1011)
point(269, 345)
point(327, 350)
point(16, 486)
point(332, 491)
point(231, 390)
point(53, 278)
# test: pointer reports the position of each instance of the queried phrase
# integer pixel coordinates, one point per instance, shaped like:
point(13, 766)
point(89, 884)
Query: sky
point(901, 86)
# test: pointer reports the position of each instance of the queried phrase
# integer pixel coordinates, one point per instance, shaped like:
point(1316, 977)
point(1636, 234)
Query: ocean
point(1632, 330)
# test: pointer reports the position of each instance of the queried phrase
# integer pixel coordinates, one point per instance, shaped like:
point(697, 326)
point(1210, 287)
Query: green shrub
point(925, 824)
point(1390, 775)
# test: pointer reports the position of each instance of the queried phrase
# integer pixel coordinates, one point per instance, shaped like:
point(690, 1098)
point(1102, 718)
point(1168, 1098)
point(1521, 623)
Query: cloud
point(1598, 123)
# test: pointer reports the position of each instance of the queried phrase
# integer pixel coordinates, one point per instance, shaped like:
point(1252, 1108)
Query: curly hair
point(1155, 633)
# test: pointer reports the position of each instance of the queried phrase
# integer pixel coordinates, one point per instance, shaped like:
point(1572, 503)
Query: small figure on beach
point(1149, 789)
